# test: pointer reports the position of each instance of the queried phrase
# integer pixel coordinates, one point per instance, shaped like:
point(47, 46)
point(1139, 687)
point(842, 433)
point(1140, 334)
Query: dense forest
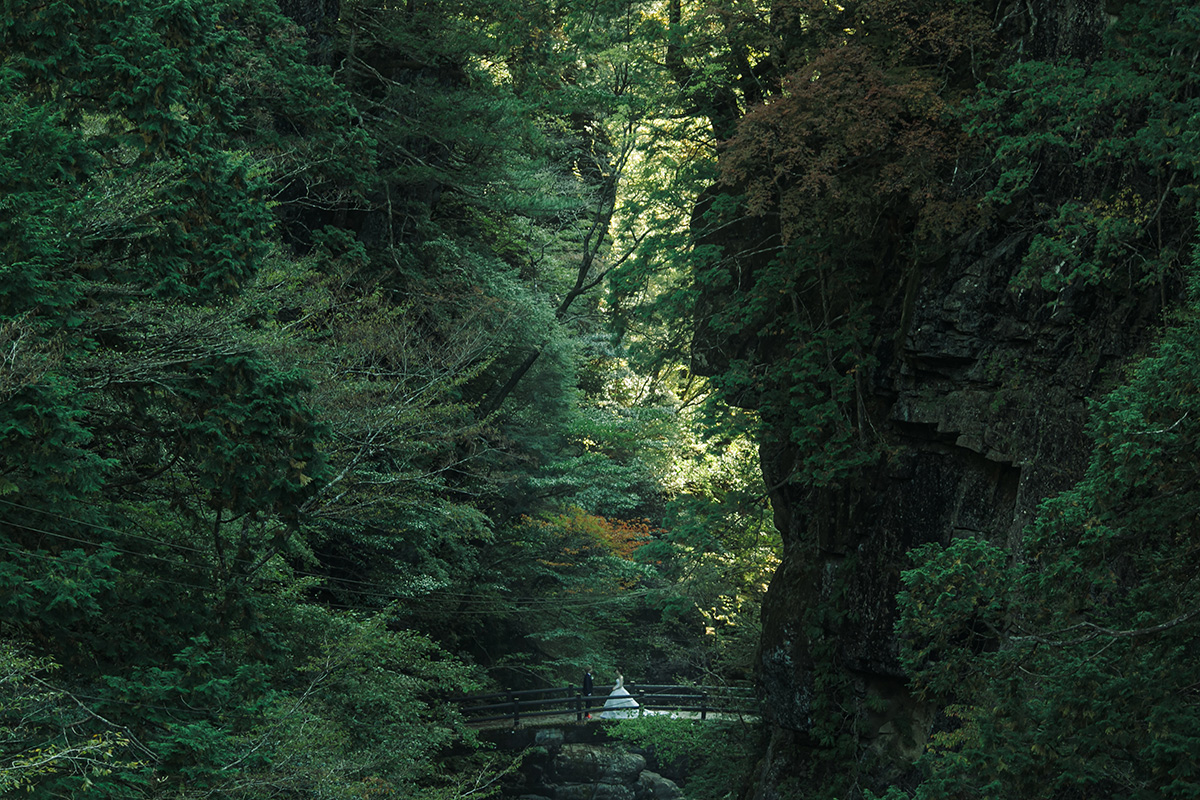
point(357, 355)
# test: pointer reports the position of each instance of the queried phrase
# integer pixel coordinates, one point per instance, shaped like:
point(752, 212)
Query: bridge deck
point(567, 705)
point(565, 720)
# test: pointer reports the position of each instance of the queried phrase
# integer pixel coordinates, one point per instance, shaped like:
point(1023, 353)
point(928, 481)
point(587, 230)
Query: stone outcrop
point(591, 772)
point(981, 397)
point(978, 401)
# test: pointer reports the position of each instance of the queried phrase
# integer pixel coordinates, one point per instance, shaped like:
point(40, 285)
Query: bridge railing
point(567, 700)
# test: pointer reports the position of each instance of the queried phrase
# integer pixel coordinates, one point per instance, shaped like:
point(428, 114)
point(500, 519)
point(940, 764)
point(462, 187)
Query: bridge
point(569, 702)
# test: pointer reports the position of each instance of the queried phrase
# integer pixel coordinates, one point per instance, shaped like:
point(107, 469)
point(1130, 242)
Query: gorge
point(358, 356)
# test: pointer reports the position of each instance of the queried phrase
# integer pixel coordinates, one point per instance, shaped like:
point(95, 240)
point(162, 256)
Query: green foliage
point(1109, 139)
point(278, 341)
point(39, 727)
point(554, 596)
point(375, 702)
point(719, 548)
point(164, 444)
point(956, 601)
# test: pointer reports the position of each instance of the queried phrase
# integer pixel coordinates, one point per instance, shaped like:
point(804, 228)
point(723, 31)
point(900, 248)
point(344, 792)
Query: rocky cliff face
point(979, 400)
point(980, 396)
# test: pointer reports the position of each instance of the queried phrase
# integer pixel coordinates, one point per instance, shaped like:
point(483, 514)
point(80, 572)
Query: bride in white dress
point(620, 704)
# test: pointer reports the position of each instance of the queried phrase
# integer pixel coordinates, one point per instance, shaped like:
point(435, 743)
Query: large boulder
point(652, 786)
point(591, 763)
point(593, 772)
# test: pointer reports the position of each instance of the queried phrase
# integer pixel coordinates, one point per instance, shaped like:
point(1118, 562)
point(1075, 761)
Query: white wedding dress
point(620, 704)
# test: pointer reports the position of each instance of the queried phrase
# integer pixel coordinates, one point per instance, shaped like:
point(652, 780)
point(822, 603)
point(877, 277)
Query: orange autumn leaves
point(574, 536)
point(863, 129)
